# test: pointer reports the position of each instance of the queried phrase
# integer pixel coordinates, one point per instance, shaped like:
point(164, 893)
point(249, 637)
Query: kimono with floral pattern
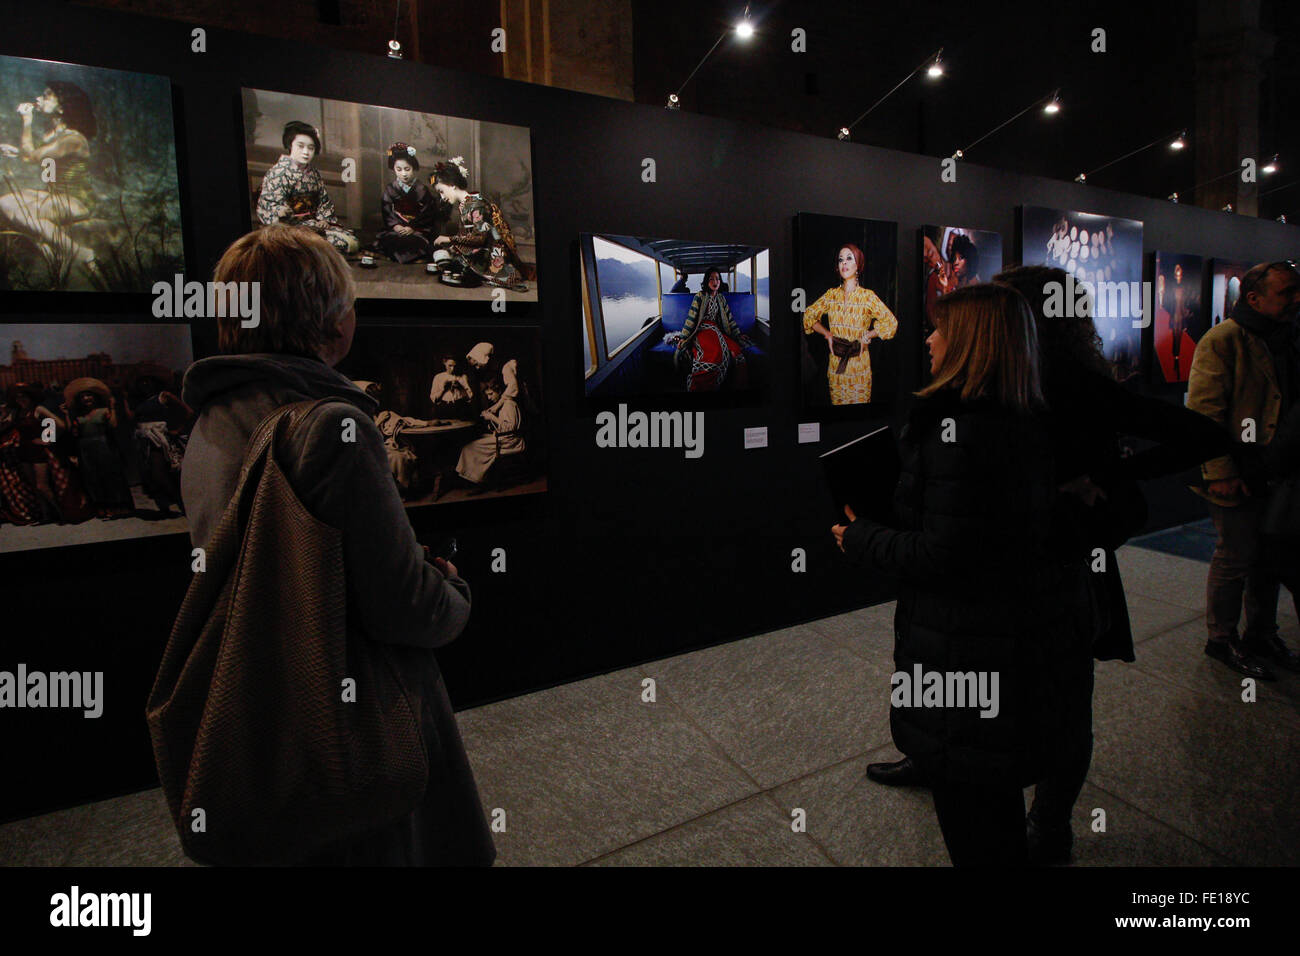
point(296, 195)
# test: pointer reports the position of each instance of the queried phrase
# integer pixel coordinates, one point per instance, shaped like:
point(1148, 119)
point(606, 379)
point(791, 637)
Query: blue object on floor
point(1195, 540)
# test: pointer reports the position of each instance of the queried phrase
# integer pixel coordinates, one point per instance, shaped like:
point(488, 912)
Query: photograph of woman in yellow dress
point(849, 317)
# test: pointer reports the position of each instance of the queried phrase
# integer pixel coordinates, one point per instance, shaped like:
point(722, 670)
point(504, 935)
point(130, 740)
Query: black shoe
point(1230, 653)
point(1049, 846)
point(1274, 649)
point(902, 773)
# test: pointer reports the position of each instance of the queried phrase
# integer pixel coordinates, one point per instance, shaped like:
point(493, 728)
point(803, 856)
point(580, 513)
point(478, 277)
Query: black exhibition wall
point(633, 554)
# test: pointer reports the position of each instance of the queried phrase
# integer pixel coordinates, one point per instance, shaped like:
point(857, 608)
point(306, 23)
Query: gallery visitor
point(980, 590)
point(307, 322)
point(1246, 376)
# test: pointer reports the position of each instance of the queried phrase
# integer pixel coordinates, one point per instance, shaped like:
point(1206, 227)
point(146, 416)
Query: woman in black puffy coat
point(984, 607)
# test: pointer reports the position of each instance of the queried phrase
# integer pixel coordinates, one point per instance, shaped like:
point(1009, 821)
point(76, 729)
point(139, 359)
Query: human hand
point(446, 567)
point(1083, 488)
point(403, 230)
point(25, 110)
point(8, 150)
point(837, 531)
point(1229, 488)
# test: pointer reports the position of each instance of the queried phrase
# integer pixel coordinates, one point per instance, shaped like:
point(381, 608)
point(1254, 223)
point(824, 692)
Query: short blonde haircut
point(990, 347)
point(306, 290)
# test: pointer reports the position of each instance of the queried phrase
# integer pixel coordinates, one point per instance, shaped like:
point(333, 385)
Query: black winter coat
point(1089, 412)
point(979, 587)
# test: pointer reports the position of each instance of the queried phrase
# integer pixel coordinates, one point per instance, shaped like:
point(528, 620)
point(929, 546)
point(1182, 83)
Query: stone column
point(1230, 54)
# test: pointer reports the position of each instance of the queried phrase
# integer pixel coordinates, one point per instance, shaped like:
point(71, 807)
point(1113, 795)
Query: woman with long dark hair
point(982, 600)
point(711, 341)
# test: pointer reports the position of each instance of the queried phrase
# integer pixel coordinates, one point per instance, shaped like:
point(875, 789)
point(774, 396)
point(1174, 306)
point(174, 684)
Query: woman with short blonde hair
point(337, 465)
point(305, 291)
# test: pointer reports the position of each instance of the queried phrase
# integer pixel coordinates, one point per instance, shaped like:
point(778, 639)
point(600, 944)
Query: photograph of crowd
point(1178, 319)
point(1225, 287)
point(89, 197)
point(954, 256)
point(666, 316)
point(460, 408)
point(423, 206)
point(848, 271)
point(1104, 251)
point(92, 433)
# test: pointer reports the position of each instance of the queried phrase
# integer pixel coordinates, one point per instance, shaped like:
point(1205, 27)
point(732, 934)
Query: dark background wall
point(634, 554)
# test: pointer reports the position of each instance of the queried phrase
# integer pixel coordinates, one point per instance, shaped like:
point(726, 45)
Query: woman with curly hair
point(68, 197)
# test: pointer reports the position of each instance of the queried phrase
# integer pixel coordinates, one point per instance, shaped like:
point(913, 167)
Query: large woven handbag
point(277, 728)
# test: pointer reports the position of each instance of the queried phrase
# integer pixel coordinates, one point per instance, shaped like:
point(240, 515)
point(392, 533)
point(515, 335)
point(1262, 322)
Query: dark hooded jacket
point(394, 594)
point(979, 588)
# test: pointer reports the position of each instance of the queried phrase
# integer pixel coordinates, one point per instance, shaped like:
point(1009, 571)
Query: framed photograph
point(461, 408)
point(92, 432)
point(673, 316)
point(848, 272)
point(1178, 318)
point(1225, 287)
point(89, 200)
point(954, 256)
point(1106, 253)
point(424, 206)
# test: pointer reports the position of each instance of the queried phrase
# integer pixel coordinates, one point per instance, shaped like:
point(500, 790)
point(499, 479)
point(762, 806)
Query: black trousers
point(982, 824)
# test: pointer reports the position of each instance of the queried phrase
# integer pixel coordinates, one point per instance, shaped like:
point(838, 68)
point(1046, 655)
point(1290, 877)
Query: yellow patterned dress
point(849, 317)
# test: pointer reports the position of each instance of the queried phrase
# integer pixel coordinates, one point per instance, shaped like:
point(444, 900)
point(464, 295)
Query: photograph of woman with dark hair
point(483, 248)
point(849, 317)
point(293, 191)
point(711, 341)
point(410, 209)
point(67, 197)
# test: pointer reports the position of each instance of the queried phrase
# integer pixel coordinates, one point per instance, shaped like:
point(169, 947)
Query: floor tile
point(1131, 837)
point(860, 823)
point(586, 768)
point(784, 704)
point(1219, 770)
point(752, 832)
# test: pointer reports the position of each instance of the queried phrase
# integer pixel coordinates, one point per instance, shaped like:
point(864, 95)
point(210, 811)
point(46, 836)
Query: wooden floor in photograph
point(743, 735)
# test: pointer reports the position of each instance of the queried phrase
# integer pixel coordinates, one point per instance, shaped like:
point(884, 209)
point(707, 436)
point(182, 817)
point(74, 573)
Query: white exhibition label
point(756, 437)
point(810, 432)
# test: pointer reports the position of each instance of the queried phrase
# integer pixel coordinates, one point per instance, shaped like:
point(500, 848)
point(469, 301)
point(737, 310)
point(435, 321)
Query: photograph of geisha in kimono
point(91, 427)
point(848, 270)
point(411, 215)
point(460, 408)
point(482, 248)
point(422, 205)
point(293, 191)
point(89, 199)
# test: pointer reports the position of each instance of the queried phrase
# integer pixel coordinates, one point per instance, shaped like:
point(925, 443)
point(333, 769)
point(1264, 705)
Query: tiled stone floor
point(743, 735)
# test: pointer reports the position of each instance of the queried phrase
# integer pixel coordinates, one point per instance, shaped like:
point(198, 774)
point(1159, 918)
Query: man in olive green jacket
point(1245, 375)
